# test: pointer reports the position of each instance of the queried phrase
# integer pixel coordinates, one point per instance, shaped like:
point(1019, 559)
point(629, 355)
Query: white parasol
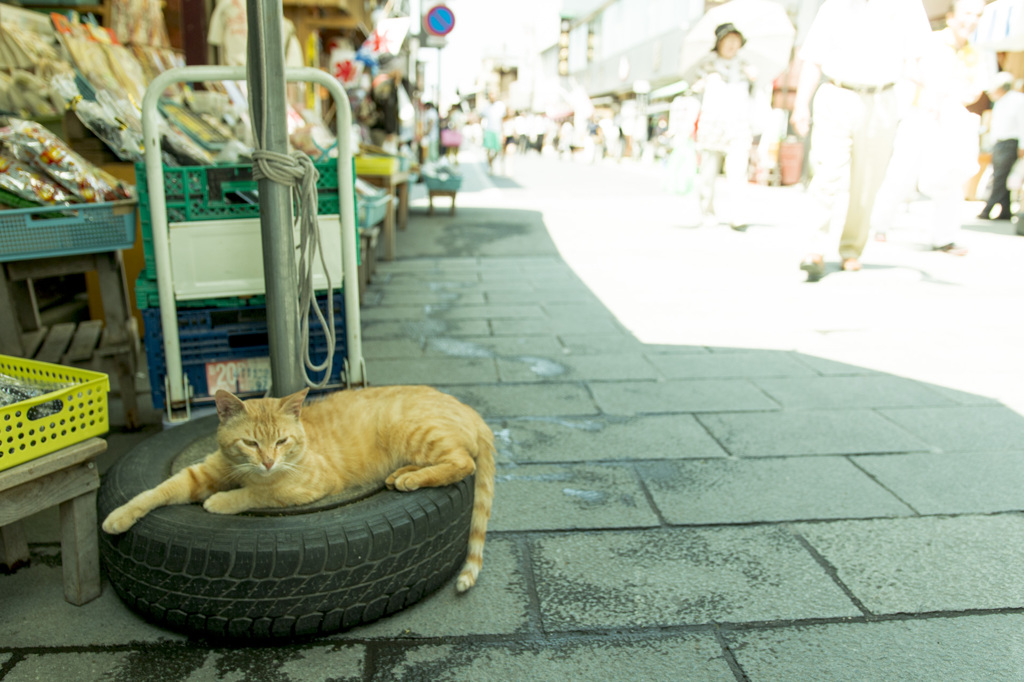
point(765, 26)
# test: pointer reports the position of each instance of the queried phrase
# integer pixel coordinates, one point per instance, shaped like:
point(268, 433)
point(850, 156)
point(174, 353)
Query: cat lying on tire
point(279, 453)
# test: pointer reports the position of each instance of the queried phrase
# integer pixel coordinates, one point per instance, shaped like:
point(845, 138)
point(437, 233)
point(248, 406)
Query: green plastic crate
point(147, 295)
point(196, 193)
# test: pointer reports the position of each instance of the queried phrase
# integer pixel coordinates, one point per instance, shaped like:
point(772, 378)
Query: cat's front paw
point(402, 480)
point(225, 503)
point(120, 520)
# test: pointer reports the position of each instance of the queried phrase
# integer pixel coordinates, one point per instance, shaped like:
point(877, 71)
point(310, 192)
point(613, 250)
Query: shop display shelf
point(46, 231)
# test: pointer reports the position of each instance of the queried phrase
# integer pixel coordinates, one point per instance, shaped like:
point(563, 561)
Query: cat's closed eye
point(282, 441)
point(250, 443)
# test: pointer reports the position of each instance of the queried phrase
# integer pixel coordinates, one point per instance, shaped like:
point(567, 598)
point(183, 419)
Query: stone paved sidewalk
point(663, 512)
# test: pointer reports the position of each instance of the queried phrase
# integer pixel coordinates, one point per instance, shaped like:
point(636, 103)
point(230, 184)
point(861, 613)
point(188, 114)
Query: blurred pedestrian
point(611, 133)
point(854, 53)
point(452, 134)
point(1007, 129)
point(431, 139)
point(954, 74)
point(492, 122)
point(725, 81)
point(566, 133)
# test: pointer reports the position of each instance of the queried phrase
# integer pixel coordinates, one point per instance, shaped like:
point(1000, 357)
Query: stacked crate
point(224, 340)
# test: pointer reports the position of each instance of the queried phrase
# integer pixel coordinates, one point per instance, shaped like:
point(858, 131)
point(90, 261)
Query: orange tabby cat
point(277, 453)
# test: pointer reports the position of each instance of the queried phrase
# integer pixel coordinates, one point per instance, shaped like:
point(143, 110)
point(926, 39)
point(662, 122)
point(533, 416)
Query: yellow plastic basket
point(83, 413)
point(376, 165)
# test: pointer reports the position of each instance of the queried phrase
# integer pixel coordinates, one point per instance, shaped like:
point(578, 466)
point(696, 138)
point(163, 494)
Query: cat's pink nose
point(269, 465)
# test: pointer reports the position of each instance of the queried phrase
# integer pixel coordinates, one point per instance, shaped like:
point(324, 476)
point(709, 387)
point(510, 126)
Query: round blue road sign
point(440, 20)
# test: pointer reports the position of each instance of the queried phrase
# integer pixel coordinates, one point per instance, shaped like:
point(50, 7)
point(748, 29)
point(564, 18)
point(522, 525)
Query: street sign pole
point(438, 22)
point(267, 90)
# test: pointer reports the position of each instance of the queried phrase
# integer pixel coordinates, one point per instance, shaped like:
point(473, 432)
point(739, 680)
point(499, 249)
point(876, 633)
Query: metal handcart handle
point(177, 390)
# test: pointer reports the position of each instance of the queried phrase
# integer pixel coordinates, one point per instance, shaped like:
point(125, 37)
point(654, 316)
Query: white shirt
point(229, 30)
point(1008, 117)
point(867, 42)
point(493, 116)
point(432, 123)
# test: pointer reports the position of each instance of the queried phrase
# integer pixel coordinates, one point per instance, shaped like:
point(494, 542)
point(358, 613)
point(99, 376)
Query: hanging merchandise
point(139, 22)
point(387, 36)
point(344, 66)
point(101, 60)
point(29, 59)
point(229, 30)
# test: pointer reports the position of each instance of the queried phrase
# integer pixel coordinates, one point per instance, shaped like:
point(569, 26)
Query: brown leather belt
point(860, 89)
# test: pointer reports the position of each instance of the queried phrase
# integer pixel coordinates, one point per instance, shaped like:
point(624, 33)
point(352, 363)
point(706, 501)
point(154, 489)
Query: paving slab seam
point(648, 496)
point(881, 485)
point(831, 570)
point(583, 635)
point(669, 526)
point(727, 626)
point(534, 617)
point(730, 658)
point(16, 658)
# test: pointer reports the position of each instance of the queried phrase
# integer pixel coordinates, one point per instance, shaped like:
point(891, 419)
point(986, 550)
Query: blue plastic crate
point(66, 230)
point(231, 340)
point(452, 183)
point(371, 210)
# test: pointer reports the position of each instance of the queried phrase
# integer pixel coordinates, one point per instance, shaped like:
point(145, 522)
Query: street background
point(708, 468)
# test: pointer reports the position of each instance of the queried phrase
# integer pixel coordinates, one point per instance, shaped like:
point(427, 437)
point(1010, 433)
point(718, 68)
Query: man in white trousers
point(861, 48)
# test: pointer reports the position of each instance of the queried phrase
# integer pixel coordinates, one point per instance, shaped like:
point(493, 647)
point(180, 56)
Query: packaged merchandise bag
point(31, 143)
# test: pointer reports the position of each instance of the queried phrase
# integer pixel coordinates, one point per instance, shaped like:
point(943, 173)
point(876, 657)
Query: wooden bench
point(113, 342)
point(69, 478)
point(440, 193)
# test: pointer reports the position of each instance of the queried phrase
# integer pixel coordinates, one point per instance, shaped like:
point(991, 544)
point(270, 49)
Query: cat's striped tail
point(483, 496)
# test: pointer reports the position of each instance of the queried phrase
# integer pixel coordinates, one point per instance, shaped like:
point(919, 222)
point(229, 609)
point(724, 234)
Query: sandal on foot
point(814, 266)
point(851, 265)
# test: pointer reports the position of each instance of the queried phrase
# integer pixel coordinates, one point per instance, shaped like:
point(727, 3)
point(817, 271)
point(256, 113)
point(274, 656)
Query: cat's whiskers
point(291, 467)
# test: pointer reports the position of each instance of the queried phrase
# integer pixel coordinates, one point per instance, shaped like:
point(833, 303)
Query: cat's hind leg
point(449, 468)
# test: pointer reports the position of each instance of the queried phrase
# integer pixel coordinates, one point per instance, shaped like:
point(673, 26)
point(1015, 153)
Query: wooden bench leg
point(13, 547)
point(79, 549)
point(430, 199)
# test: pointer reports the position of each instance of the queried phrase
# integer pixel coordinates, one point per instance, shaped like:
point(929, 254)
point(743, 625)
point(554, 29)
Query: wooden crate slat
point(56, 342)
point(84, 342)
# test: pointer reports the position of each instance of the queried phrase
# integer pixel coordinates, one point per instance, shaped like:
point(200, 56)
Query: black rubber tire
point(258, 577)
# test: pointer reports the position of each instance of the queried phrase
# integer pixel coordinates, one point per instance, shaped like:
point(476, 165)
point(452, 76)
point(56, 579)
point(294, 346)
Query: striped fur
point(279, 452)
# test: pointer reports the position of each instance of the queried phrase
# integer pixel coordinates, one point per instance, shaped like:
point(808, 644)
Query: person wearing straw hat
point(724, 79)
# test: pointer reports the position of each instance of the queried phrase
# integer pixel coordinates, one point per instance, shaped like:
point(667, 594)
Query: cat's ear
point(293, 404)
point(228, 405)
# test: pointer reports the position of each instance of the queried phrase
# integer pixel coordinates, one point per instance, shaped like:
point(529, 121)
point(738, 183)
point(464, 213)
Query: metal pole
point(267, 91)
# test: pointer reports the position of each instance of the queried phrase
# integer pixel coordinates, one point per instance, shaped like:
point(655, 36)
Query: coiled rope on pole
point(297, 171)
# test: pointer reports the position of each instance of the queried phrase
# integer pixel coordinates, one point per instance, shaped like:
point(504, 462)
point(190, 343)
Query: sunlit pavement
point(933, 317)
point(709, 469)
